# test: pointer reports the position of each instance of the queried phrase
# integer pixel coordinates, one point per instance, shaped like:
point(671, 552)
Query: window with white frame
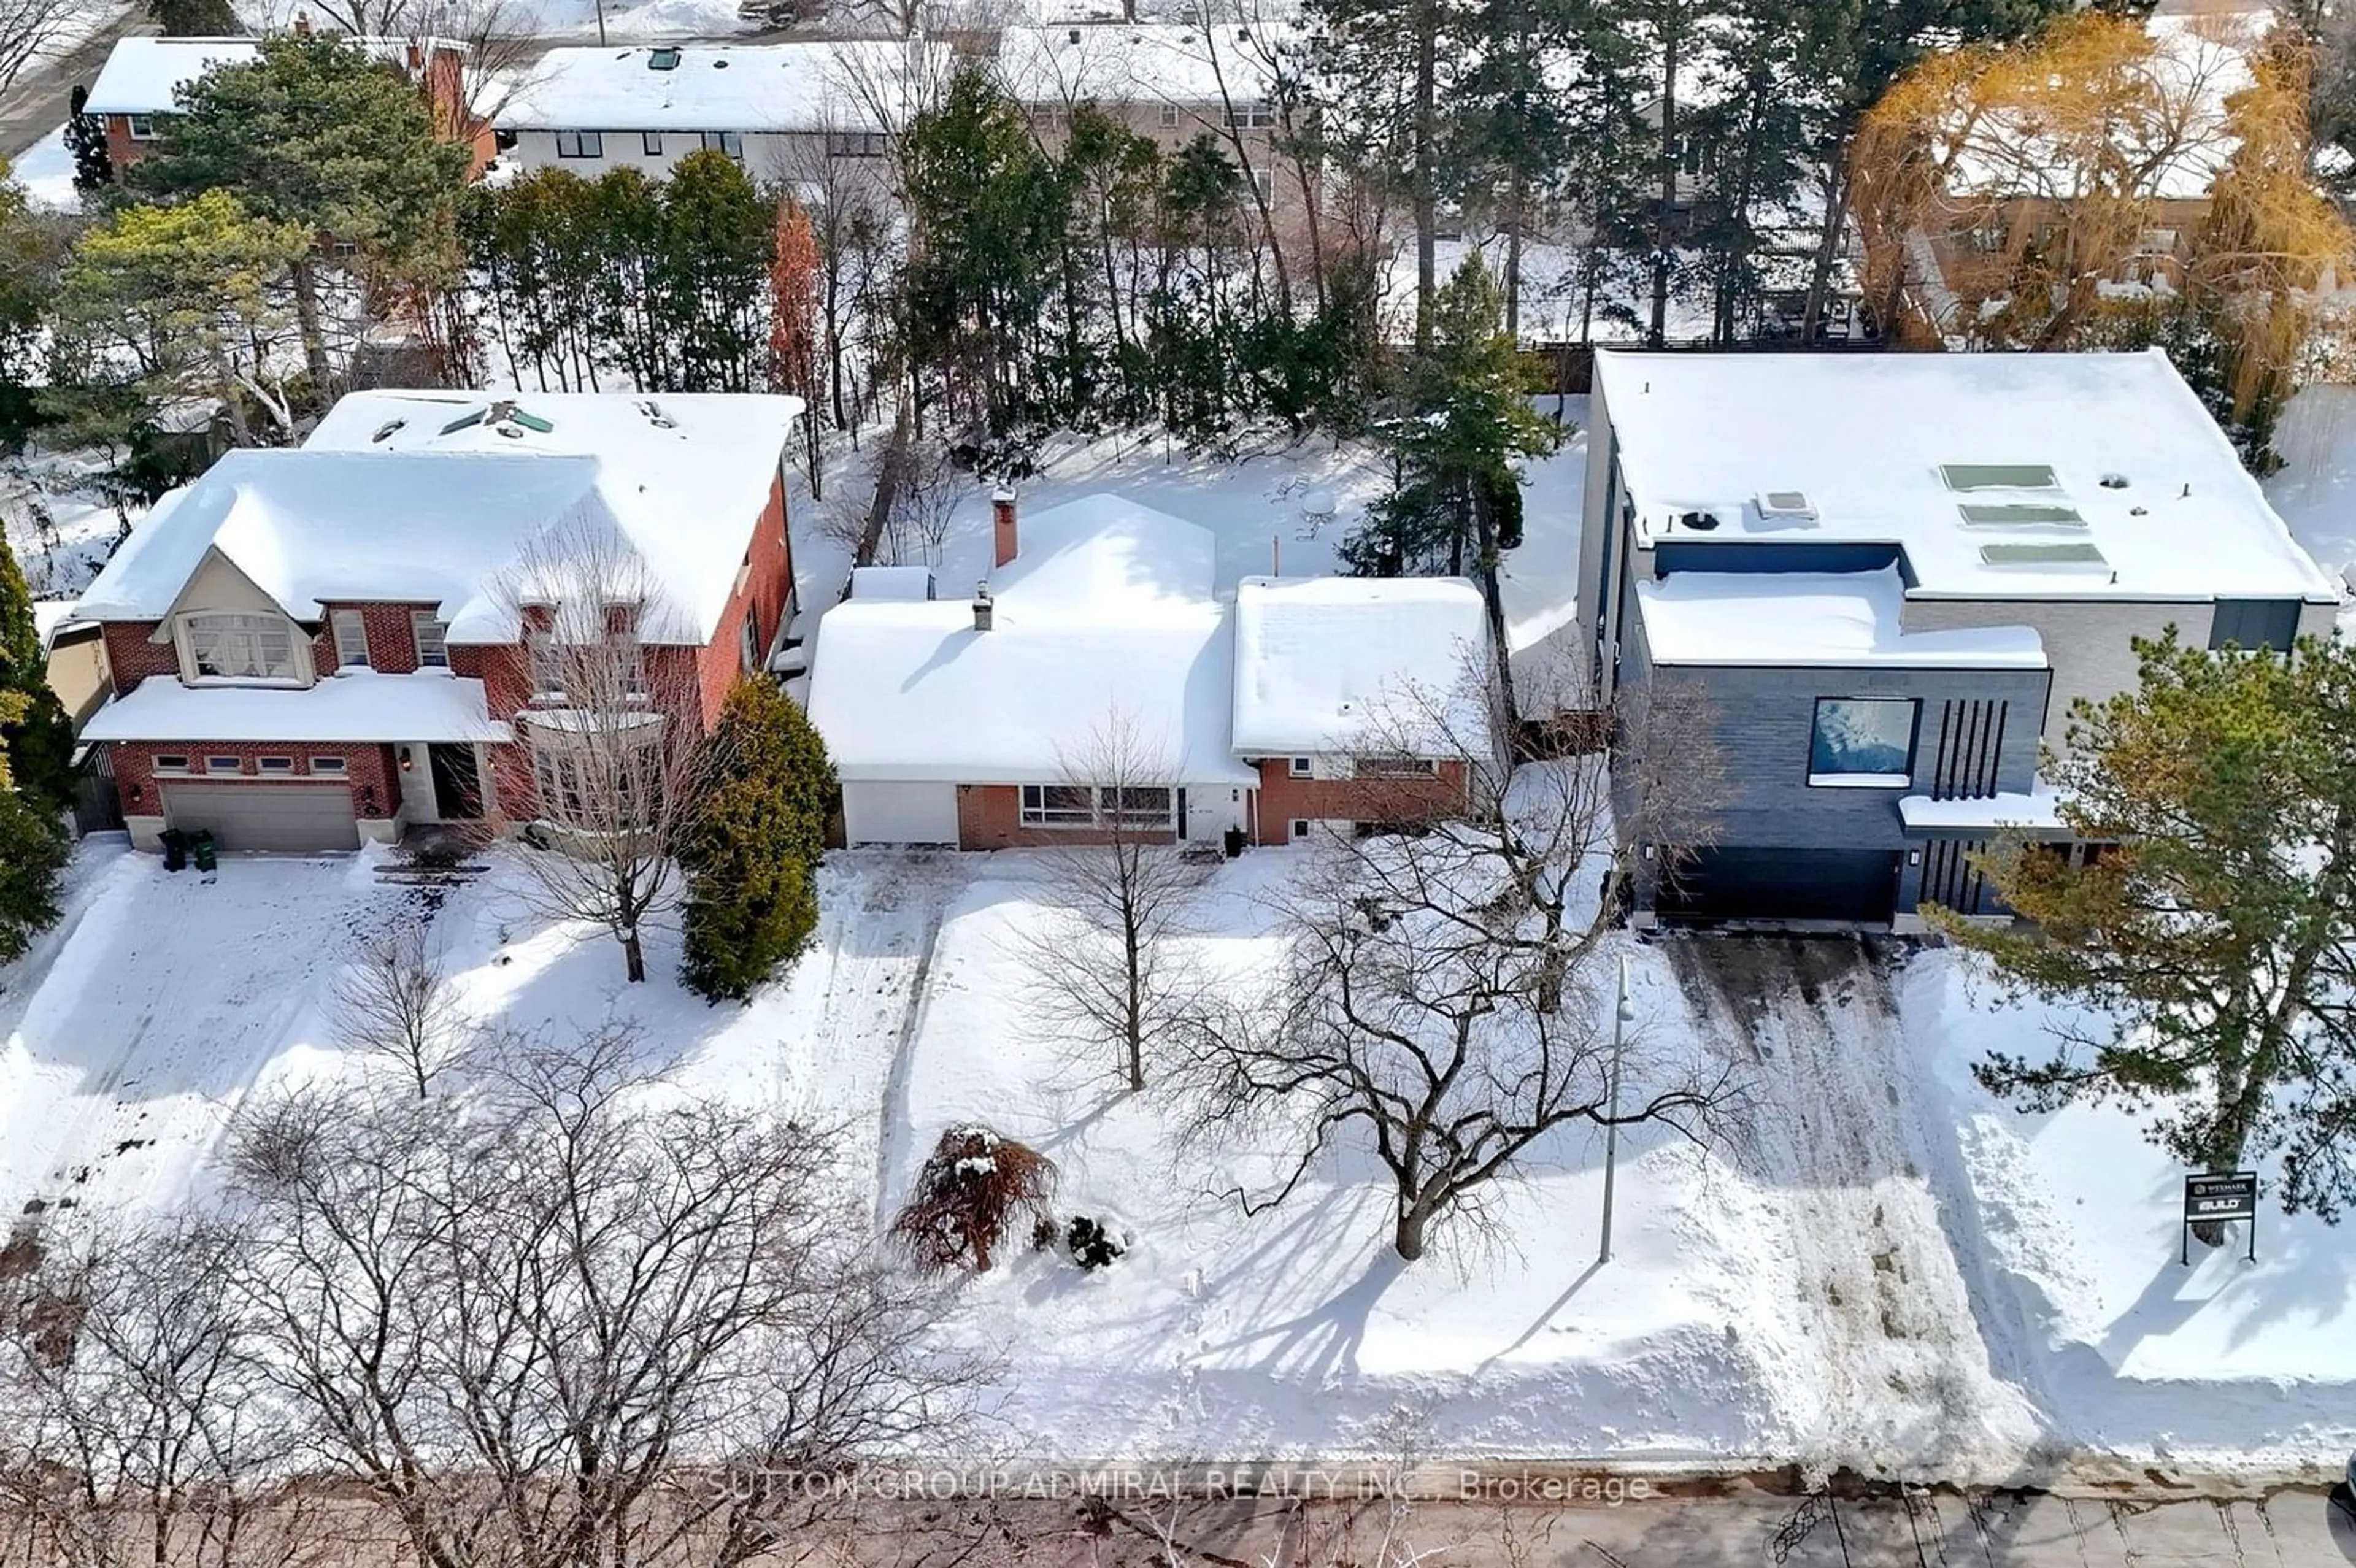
point(1170, 117)
point(351, 638)
point(579, 143)
point(729, 142)
point(1393, 765)
point(1083, 806)
point(330, 767)
point(748, 642)
point(283, 766)
point(431, 633)
point(1252, 117)
point(1264, 181)
point(1300, 827)
point(239, 648)
point(547, 666)
point(651, 144)
point(1302, 767)
point(223, 765)
point(589, 778)
point(171, 763)
point(143, 127)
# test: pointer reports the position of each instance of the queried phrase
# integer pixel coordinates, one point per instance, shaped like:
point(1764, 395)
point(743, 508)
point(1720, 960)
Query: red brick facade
point(1282, 798)
point(989, 816)
point(762, 591)
point(370, 771)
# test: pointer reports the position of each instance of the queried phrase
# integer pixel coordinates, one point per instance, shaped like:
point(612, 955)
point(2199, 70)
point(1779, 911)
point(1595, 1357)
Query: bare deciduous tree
point(615, 745)
point(395, 999)
point(544, 1329)
point(137, 1425)
point(1116, 980)
point(1440, 1002)
point(30, 30)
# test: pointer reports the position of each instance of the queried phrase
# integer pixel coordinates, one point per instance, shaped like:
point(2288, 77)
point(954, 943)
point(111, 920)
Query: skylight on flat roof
point(2017, 514)
point(2084, 555)
point(1998, 476)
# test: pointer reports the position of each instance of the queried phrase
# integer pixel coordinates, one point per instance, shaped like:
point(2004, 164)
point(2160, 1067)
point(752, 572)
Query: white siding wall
point(768, 156)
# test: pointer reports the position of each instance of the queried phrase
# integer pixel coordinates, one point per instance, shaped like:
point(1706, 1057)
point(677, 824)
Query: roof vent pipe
point(984, 612)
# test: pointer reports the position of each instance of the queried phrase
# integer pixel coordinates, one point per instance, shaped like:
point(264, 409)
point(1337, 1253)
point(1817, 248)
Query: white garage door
point(283, 816)
point(899, 813)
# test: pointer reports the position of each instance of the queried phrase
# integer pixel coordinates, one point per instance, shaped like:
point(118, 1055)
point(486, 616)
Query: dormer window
point(239, 648)
point(352, 639)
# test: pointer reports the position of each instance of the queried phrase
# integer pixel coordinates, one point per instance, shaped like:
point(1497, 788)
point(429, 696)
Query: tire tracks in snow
point(1906, 1387)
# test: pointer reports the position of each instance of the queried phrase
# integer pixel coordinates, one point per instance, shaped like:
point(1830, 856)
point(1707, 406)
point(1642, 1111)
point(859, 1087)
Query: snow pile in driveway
point(2069, 1226)
point(1297, 1333)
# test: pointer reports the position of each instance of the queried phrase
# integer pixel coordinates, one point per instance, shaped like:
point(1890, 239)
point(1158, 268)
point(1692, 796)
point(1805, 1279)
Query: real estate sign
point(2216, 1197)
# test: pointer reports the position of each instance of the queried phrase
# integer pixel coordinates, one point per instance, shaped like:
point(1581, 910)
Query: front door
point(458, 785)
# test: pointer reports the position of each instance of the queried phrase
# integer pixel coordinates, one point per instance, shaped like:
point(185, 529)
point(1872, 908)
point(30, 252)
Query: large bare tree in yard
point(543, 1327)
point(395, 998)
point(1442, 1003)
point(29, 30)
point(1116, 980)
point(614, 741)
point(137, 1423)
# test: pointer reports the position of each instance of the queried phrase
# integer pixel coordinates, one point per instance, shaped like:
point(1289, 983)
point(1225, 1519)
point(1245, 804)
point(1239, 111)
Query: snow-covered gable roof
point(1143, 63)
point(1107, 614)
point(1851, 448)
point(1324, 663)
point(816, 85)
point(385, 502)
point(144, 75)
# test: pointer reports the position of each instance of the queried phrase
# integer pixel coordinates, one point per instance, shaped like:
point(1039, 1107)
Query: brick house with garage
point(1288, 707)
point(315, 646)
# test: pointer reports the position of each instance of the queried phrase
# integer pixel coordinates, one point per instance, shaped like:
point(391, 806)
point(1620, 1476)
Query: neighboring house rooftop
point(441, 497)
point(1324, 663)
point(1143, 63)
point(819, 85)
point(1997, 477)
point(144, 75)
point(1108, 613)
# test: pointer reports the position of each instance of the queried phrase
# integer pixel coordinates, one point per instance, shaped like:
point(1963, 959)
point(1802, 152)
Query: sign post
point(2215, 1198)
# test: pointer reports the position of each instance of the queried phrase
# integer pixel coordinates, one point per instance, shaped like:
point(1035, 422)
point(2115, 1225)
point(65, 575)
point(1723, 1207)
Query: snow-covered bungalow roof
point(144, 75)
point(819, 85)
point(1143, 62)
point(440, 497)
point(1997, 477)
point(1106, 616)
point(1324, 663)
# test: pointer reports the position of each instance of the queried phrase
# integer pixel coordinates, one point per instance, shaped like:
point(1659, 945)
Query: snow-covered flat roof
point(428, 705)
point(1106, 615)
point(819, 85)
point(387, 501)
point(1326, 662)
point(1785, 618)
point(1144, 63)
point(2088, 475)
point(144, 75)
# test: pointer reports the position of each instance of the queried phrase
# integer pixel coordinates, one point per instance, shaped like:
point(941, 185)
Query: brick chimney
point(1002, 524)
point(302, 24)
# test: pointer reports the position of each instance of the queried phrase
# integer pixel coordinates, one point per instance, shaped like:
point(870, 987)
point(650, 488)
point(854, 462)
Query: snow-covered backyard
point(1885, 1270)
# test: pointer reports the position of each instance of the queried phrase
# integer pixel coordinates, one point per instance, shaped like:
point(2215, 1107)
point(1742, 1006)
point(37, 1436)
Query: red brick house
point(314, 646)
point(139, 85)
point(1288, 707)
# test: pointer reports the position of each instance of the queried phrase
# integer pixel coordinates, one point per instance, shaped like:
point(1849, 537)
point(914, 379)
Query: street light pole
point(1621, 1014)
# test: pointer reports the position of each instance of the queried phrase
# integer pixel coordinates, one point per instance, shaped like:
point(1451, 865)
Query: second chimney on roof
point(984, 612)
point(1002, 524)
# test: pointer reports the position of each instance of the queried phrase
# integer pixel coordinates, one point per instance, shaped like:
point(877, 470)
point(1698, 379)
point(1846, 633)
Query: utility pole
point(1622, 1013)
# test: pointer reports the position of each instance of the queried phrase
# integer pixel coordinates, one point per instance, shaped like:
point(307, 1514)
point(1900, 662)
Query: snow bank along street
point(1888, 1272)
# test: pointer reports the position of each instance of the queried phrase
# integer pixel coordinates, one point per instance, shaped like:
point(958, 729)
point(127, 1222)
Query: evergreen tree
point(751, 857)
point(317, 134)
point(36, 737)
point(86, 141)
point(1469, 419)
point(195, 18)
point(33, 851)
point(2216, 942)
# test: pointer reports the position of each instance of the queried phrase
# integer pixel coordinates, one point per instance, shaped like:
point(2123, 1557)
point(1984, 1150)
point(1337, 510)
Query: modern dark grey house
point(1882, 581)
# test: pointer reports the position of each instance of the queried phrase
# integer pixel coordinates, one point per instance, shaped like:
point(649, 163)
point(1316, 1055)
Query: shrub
point(752, 856)
point(1093, 1244)
point(972, 1192)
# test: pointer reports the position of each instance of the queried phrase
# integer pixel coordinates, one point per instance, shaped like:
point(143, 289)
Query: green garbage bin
point(200, 849)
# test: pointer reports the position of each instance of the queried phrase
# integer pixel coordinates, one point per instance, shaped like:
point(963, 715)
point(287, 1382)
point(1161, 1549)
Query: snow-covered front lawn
point(1884, 1269)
